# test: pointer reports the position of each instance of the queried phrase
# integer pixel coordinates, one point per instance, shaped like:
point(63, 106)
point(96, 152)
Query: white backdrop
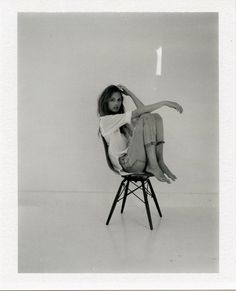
point(66, 59)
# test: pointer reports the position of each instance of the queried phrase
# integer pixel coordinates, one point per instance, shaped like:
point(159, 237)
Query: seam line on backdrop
point(59, 191)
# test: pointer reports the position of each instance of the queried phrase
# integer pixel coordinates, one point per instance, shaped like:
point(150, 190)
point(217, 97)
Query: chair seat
point(125, 174)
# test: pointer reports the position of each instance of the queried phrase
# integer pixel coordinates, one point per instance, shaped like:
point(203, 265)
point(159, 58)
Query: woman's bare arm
point(152, 107)
point(142, 109)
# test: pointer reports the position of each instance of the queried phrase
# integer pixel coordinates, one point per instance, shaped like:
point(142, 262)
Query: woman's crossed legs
point(145, 150)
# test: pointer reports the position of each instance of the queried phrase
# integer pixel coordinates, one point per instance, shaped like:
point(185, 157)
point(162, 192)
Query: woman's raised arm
point(127, 92)
point(142, 109)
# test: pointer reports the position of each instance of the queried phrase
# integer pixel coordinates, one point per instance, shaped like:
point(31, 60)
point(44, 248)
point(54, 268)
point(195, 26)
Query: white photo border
point(10, 279)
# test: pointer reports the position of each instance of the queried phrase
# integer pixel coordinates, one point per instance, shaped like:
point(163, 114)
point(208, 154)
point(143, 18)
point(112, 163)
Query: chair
point(140, 181)
point(132, 179)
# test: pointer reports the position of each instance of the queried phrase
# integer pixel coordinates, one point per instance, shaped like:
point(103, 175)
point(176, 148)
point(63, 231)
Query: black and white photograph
point(118, 139)
point(148, 84)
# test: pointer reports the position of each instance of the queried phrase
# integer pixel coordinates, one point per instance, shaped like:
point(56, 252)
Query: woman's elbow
point(136, 113)
point(141, 111)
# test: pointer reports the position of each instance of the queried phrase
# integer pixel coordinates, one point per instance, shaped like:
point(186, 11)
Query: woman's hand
point(127, 92)
point(123, 89)
point(174, 105)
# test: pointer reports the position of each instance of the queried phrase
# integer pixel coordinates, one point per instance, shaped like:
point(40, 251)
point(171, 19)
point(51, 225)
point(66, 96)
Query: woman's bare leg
point(159, 147)
point(153, 166)
point(149, 137)
point(142, 148)
point(163, 166)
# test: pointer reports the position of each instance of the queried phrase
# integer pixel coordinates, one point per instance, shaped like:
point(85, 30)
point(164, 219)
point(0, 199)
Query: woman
point(134, 139)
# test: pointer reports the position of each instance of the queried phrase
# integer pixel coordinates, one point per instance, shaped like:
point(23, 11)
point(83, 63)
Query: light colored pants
point(144, 135)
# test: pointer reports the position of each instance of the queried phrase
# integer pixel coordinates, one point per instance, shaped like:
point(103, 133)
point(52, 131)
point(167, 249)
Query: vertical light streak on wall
point(159, 61)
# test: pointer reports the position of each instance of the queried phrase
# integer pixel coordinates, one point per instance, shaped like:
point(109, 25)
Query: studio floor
point(65, 232)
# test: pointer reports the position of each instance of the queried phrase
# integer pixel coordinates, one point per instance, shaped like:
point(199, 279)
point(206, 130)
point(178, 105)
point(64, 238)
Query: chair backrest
point(122, 173)
point(107, 155)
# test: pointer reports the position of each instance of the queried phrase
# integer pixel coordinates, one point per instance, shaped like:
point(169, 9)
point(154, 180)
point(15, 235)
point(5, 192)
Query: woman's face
point(115, 102)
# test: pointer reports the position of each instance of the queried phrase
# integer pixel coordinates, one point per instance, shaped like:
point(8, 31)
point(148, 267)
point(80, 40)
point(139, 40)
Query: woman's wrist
point(129, 93)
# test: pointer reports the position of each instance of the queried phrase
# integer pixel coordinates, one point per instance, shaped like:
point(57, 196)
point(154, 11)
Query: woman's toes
point(166, 170)
point(163, 178)
point(158, 174)
point(167, 180)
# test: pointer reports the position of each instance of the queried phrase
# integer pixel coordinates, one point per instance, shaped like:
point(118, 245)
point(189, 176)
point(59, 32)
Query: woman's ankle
point(153, 168)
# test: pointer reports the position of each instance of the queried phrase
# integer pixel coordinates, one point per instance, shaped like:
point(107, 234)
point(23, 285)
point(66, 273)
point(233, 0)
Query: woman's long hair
point(104, 99)
point(104, 110)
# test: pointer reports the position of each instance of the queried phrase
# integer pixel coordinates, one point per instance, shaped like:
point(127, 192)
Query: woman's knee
point(145, 115)
point(149, 119)
point(157, 116)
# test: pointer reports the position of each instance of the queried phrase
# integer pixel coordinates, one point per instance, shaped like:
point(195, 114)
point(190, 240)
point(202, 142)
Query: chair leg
point(147, 206)
point(125, 196)
point(114, 202)
point(154, 198)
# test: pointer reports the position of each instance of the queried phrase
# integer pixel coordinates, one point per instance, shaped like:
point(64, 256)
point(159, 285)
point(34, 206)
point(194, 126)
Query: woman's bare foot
point(157, 172)
point(167, 171)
